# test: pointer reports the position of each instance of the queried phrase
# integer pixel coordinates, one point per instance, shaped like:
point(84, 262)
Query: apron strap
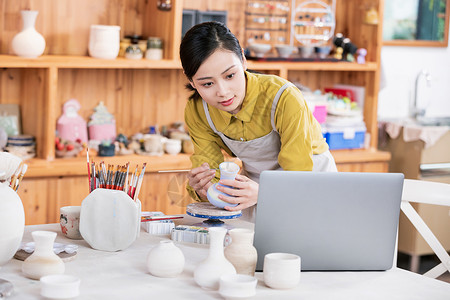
point(208, 117)
point(275, 102)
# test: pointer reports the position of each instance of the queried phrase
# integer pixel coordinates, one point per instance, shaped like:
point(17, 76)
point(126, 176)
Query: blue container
point(345, 137)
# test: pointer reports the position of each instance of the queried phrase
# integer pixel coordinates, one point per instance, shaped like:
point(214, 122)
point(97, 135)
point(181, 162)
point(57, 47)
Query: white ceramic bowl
point(60, 286)
point(281, 270)
point(284, 51)
point(172, 146)
point(237, 286)
point(259, 49)
point(306, 51)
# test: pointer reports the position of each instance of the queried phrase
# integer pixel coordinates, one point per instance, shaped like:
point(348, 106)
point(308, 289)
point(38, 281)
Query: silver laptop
point(333, 221)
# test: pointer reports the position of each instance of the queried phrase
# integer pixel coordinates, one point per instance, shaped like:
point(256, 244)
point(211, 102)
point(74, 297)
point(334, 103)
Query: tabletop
point(124, 275)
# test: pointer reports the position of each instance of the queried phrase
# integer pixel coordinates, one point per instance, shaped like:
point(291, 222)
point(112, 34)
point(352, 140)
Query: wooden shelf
point(87, 62)
point(38, 168)
point(176, 163)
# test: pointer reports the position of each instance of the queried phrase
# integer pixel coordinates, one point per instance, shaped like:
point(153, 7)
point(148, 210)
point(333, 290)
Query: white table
point(123, 275)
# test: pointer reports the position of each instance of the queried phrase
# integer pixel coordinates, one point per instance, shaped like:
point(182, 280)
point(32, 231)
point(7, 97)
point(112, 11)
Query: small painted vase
point(228, 170)
point(208, 272)
point(241, 252)
point(43, 261)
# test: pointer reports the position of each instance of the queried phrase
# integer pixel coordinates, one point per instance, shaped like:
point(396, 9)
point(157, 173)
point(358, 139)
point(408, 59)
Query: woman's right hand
point(200, 179)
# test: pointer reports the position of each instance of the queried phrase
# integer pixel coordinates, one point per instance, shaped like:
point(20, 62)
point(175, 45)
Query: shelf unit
point(143, 93)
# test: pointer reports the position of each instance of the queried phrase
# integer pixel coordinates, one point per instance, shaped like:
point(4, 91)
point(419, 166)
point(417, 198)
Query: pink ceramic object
point(102, 132)
point(70, 125)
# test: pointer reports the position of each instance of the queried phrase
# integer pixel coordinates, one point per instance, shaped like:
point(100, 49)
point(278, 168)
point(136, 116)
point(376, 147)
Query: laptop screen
point(333, 221)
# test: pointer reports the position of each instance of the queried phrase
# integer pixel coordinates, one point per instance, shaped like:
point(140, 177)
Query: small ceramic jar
point(165, 260)
point(133, 52)
point(154, 49)
point(172, 146)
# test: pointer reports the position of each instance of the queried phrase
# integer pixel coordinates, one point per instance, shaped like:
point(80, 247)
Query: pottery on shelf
point(241, 252)
point(104, 41)
point(28, 43)
point(70, 125)
point(43, 261)
point(207, 274)
point(165, 260)
point(102, 125)
point(12, 223)
point(228, 170)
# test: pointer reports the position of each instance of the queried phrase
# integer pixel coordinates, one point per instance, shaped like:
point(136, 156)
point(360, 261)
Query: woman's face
point(220, 81)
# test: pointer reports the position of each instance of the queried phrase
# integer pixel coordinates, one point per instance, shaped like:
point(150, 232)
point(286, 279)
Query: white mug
point(281, 270)
point(69, 220)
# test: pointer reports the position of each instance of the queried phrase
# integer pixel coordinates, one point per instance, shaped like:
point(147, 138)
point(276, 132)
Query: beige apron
point(262, 153)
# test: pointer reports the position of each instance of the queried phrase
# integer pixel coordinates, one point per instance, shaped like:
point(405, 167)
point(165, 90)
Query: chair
point(436, 193)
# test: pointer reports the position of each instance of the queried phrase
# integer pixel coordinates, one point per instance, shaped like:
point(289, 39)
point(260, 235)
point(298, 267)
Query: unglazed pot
point(104, 41)
point(12, 223)
point(28, 43)
point(241, 252)
point(207, 274)
point(43, 261)
point(165, 260)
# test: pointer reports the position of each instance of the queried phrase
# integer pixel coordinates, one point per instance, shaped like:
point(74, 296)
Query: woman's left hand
point(244, 190)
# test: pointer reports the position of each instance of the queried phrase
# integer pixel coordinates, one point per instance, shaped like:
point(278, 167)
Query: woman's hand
point(245, 192)
point(200, 179)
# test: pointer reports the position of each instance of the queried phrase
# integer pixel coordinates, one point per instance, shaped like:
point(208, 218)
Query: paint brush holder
point(110, 219)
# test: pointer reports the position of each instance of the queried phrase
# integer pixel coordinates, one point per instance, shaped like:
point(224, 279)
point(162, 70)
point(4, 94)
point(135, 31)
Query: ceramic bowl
point(259, 49)
point(237, 286)
point(172, 146)
point(306, 51)
point(60, 286)
point(284, 51)
point(281, 270)
point(322, 51)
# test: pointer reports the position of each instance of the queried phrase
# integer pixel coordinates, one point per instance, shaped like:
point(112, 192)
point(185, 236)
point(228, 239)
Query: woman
point(262, 119)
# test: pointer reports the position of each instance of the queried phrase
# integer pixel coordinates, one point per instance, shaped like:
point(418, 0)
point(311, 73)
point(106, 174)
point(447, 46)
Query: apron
point(261, 153)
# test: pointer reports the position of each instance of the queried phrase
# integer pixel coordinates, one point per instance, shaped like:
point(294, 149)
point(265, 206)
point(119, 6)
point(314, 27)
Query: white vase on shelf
point(12, 223)
point(241, 252)
point(43, 261)
point(207, 274)
point(28, 43)
point(165, 260)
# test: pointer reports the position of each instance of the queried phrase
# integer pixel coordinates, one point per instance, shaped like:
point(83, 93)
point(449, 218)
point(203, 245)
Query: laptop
point(334, 221)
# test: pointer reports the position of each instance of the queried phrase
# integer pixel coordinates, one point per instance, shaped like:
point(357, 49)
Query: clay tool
point(160, 218)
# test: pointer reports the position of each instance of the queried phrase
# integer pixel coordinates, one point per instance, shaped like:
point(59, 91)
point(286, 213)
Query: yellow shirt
point(300, 133)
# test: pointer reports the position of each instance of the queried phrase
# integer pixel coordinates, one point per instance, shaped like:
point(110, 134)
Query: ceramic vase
point(165, 260)
point(43, 261)
point(228, 170)
point(207, 274)
point(12, 223)
point(241, 252)
point(28, 43)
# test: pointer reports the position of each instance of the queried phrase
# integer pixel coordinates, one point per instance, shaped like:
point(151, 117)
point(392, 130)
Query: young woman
point(261, 119)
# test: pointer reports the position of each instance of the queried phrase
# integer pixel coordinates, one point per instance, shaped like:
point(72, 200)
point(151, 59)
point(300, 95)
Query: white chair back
point(436, 193)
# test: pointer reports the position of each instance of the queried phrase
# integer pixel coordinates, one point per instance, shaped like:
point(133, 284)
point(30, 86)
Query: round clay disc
point(66, 257)
point(207, 210)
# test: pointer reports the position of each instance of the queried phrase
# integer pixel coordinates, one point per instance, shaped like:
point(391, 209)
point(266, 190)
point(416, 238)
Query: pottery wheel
point(208, 211)
point(66, 257)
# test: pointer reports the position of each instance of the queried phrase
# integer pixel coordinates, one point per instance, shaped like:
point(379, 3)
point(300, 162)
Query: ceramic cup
point(69, 219)
point(281, 270)
point(60, 286)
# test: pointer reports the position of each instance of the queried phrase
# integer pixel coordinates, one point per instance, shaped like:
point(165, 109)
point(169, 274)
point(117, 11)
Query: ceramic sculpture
point(102, 126)
point(207, 274)
point(43, 261)
point(228, 170)
point(70, 125)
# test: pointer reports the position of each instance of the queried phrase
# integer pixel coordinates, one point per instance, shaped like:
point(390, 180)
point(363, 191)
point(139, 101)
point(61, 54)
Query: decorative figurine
point(361, 58)
point(102, 126)
point(338, 53)
point(70, 125)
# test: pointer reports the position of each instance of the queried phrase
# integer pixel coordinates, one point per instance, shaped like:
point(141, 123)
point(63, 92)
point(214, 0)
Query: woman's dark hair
point(200, 42)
